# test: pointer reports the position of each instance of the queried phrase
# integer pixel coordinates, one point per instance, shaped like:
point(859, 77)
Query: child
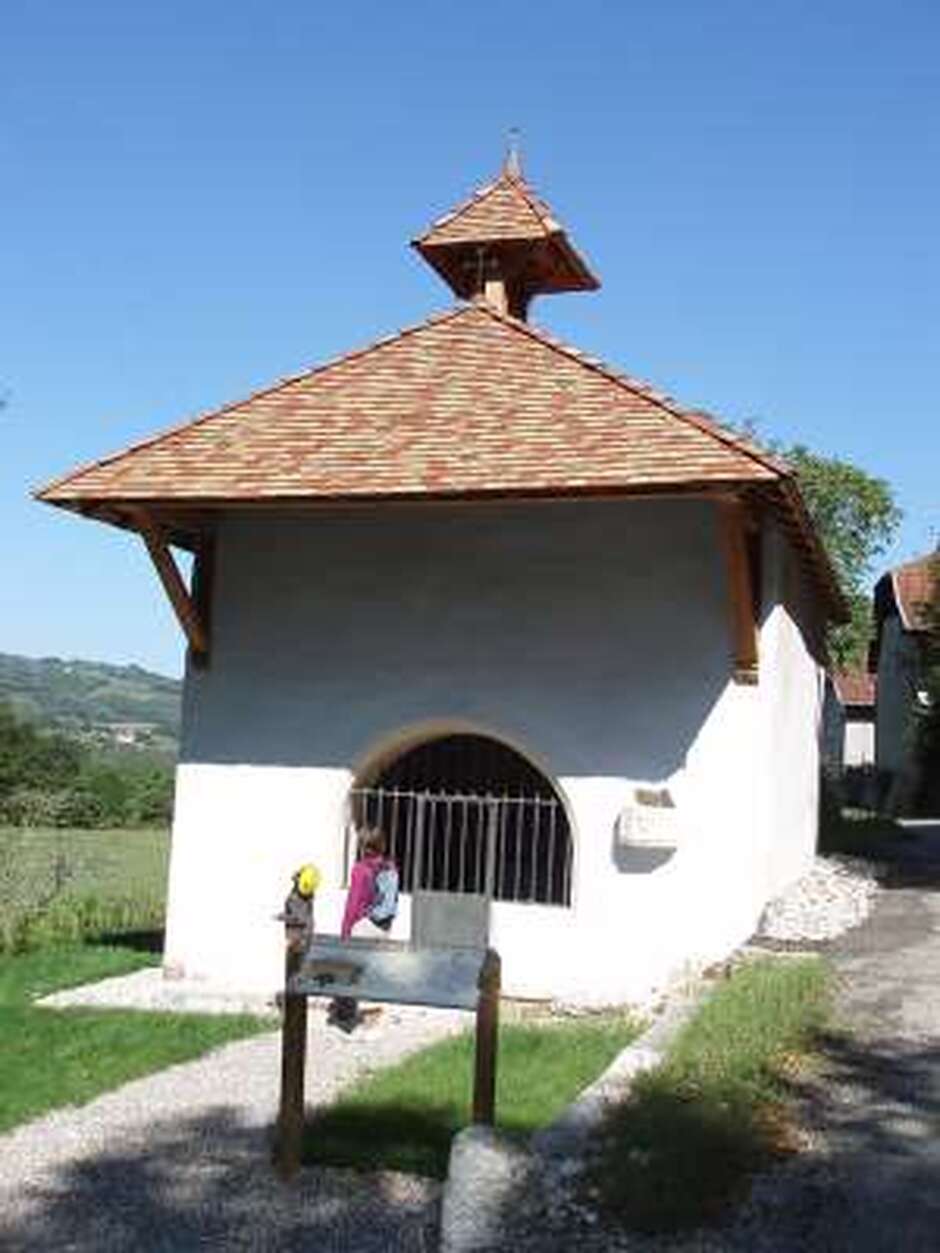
point(369, 912)
point(362, 887)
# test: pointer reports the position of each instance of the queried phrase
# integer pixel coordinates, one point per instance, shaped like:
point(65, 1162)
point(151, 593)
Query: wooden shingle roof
point(506, 208)
point(469, 404)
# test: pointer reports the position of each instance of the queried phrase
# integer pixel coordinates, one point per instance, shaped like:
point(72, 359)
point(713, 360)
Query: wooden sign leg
point(290, 1121)
point(487, 1039)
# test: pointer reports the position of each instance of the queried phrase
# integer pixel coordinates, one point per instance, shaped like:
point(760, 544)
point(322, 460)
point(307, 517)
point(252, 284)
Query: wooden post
point(487, 1040)
point(290, 1119)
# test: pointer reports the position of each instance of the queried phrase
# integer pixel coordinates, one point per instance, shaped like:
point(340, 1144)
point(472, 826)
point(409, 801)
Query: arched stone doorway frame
point(384, 752)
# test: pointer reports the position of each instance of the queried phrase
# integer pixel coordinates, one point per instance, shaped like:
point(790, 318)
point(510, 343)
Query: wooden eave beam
point(178, 594)
point(733, 521)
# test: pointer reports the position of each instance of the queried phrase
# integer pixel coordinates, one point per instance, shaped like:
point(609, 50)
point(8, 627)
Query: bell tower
point(504, 246)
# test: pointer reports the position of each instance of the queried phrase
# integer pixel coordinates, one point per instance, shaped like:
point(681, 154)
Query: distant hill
point(89, 697)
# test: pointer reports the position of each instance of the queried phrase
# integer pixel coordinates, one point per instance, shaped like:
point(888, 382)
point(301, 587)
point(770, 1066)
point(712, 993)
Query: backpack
point(384, 905)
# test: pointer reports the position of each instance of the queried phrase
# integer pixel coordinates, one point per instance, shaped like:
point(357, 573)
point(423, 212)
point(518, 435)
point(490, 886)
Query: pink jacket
point(361, 892)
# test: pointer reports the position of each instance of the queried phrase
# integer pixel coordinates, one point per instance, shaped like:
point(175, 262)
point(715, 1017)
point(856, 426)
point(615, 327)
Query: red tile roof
point(470, 403)
point(913, 586)
point(854, 688)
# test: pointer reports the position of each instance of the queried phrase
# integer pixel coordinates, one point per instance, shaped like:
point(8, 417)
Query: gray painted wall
point(594, 633)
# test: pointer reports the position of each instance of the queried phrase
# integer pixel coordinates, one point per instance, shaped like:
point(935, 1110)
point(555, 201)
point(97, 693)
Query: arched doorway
point(466, 813)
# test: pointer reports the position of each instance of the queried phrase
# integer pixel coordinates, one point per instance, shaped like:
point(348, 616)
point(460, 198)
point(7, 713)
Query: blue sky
point(200, 197)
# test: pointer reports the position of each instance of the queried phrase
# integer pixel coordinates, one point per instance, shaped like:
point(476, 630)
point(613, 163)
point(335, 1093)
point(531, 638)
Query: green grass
point(61, 885)
point(694, 1129)
point(50, 1058)
point(404, 1118)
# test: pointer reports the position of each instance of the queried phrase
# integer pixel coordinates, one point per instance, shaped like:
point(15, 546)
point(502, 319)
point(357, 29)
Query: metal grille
point(507, 848)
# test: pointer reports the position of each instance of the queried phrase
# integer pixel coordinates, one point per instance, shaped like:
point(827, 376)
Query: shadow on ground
point(208, 1183)
point(140, 941)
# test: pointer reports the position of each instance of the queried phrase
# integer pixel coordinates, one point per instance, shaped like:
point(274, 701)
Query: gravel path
point(181, 1160)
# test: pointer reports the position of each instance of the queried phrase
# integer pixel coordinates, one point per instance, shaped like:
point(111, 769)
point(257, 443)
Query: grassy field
point(404, 1118)
point(60, 885)
point(695, 1128)
point(50, 1058)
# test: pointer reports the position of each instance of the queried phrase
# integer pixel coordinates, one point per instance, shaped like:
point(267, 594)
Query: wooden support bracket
point(733, 518)
point(184, 606)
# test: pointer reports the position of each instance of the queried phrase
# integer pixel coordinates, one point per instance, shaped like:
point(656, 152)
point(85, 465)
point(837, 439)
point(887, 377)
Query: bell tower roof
point(505, 234)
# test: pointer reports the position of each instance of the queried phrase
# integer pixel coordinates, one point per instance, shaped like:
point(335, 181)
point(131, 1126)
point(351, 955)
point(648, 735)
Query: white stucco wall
point(792, 693)
point(592, 636)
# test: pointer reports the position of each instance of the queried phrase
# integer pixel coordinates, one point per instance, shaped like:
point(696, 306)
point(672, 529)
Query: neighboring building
point(899, 657)
point(560, 636)
point(850, 720)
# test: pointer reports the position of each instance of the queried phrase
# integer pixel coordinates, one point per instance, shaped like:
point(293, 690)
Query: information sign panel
point(375, 970)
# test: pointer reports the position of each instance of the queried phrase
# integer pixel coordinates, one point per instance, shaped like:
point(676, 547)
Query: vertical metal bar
point(400, 844)
point(492, 834)
point(431, 842)
point(535, 806)
point(462, 886)
point(448, 831)
point(480, 828)
point(550, 863)
point(501, 855)
point(518, 847)
point(418, 834)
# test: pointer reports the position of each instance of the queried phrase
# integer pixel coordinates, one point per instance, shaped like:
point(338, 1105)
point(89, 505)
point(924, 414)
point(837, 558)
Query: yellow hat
point(307, 879)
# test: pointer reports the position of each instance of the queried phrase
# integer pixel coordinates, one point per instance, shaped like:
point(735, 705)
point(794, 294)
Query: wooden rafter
point(733, 514)
point(184, 605)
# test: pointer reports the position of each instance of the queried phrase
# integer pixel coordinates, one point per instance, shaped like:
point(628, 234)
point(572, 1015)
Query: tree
point(856, 516)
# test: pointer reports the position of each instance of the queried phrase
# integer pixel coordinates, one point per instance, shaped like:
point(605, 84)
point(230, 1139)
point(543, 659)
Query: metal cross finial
point(513, 163)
